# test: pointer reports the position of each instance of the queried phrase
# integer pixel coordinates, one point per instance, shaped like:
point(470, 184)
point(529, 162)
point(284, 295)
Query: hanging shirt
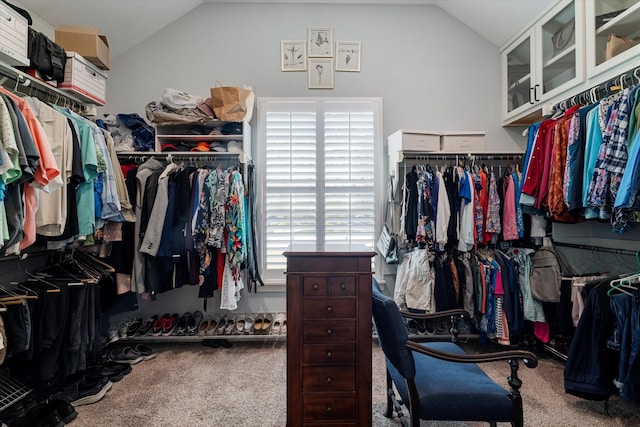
point(509, 219)
point(467, 219)
point(444, 212)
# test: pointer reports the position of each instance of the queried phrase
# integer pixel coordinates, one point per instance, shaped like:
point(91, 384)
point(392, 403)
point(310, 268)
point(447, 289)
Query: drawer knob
point(329, 409)
point(329, 380)
point(315, 287)
point(343, 286)
point(329, 309)
point(329, 355)
point(329, 331)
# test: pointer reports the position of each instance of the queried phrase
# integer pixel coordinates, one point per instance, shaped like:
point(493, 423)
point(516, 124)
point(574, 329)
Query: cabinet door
point(612, 35)
point(560, 49)
point(518, 70)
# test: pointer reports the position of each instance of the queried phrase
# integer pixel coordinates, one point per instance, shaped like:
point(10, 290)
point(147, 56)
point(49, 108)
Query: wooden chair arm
point(529, 359)
point(436, 315)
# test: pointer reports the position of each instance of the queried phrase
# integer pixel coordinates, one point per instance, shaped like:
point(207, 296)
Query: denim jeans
point(631, 388)
point(621, 340)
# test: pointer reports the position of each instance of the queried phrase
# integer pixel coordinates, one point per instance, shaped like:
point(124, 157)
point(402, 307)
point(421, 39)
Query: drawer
point(319, 408)
point(14, 36)
point(327, 308)
point(315, 286)
point(84, 79)
point(329, 330)
point(413, 140)
point(344, 286)
point(329, 353)
point(329, 379)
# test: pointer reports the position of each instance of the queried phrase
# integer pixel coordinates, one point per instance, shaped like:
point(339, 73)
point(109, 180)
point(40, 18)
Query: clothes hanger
point(52, 287)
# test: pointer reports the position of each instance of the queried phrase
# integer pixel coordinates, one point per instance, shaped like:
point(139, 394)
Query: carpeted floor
point(188, 384)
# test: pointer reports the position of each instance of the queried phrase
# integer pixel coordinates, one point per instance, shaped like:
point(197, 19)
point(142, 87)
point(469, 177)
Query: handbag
point(387, 241)
point(563, 36)
point(618, 44)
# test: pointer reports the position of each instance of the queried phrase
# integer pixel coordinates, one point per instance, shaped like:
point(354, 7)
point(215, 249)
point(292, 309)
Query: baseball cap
point(201, 146)
point(169, 147)
point(234, 146)
point(218, 146)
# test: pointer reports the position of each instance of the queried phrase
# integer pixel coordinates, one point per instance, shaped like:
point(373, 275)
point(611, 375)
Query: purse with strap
point(387, 241)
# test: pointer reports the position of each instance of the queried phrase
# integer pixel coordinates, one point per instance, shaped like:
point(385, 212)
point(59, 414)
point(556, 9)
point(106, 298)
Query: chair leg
point(388, 412)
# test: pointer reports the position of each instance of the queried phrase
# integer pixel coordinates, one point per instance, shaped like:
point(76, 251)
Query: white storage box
point(14, 36)
point(472, 142)
point(84, 79)
point(412, 140)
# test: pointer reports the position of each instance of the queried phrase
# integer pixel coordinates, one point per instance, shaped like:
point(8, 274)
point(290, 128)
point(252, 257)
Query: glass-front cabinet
point(612, 34)
point(542, 62)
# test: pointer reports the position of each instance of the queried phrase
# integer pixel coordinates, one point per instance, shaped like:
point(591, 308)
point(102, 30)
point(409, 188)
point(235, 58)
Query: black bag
point(46, 56)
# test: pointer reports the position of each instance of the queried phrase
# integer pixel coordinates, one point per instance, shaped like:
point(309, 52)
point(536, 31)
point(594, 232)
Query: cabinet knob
point(329, 309)
point(343, 286)
point(329, 355)
point(329, 331)
point(316, 287)
point(329, 380)
point(329, 409)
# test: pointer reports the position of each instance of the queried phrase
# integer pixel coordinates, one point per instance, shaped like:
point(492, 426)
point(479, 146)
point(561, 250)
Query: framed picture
point(293, 55)
point(347, 56)
point(320, 73)
point(320, 42)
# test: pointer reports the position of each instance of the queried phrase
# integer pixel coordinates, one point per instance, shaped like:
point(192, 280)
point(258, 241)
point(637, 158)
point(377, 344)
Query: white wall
point(433, 72)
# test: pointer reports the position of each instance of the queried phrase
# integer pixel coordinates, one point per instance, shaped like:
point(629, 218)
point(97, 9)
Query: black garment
point(148, 199)
point(15, 215)
point(444, 292)
point(17, 326)
point(462, 281)
point(591, 366)
point(193, 263)
point(181, 226)
point(411, 200)
point(451, 184)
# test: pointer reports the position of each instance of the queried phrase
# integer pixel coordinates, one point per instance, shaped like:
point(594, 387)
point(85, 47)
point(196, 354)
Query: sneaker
point(195, 322)
point(133, 327)
point(122, 327)
point(145, 351)
point(125, 355)
point(182, 327)
point(41, 416)
point(147, 326)
point(169, 325)
point(156, 331)
point(113, 334)
point(65, 410)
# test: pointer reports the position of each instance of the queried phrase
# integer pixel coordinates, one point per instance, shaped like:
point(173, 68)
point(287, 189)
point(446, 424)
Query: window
point(317, 160)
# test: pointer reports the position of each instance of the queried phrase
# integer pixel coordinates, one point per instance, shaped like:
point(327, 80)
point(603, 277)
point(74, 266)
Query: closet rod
point(628, 78)
point(454, 156)
point(597, 248)
point(24, 79)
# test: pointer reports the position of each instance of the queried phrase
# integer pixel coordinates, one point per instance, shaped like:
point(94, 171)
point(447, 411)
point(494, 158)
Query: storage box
point(84, 79)
point(87, 42)
point(413, 140)
point(14, 37)
point(472, 142)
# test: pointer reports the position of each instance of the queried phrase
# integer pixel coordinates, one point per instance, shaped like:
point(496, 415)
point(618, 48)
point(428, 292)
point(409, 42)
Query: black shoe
point(183, 324)
point(39, 416)
point(147, 326)
point(65, 410)
point(133, 327)
point(81, 393)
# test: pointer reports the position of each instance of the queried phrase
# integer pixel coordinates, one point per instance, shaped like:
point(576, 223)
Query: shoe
point(222, 326)
point(182, 326)
point(156, 331)
point(133, 327)
point(113, 334)
point(169, 325)
point(125, 355)
point(240, 321)
point(123, 326)
point(147, 326)
point(145, 351)
point(91, 393)
point(195, 322)
point(230, 326)
point(65, 410)
point(213, 343)
point(257, 324)
point(283, 328)
point(213, 326)
point(202, 329)
point(277, 324)
point(248, 323)
point(267, 321)
point(39, 416)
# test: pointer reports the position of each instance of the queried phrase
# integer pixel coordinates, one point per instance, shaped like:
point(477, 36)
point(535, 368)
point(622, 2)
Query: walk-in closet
point(319, 213)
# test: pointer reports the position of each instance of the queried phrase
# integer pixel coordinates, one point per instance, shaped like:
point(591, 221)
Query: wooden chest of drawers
point(328, 335)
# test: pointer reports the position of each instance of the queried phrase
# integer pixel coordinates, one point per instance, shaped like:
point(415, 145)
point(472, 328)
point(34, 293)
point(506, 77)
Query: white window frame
point(275, 281)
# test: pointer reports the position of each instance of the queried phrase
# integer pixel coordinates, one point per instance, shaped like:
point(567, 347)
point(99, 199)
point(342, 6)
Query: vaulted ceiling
point(495, 20)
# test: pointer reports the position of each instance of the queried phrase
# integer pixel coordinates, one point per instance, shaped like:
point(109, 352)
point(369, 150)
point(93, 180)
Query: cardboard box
point(86, 41)
point(84, 79)
point(463, 142)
